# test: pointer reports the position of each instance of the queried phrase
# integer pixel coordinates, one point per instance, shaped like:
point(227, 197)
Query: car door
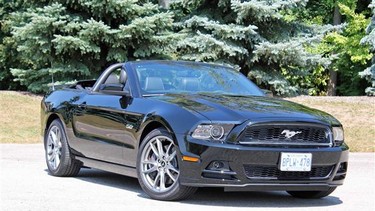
point(104, 128)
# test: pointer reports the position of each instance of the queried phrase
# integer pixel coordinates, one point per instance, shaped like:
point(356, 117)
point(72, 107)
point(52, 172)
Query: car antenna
point(53, 83)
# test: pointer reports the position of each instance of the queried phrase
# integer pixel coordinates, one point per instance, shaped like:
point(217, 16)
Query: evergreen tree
point(264, 39)
point(369, 72)
point(253, 36)
point(78, 38)
point(8, 52)
point(348, 57)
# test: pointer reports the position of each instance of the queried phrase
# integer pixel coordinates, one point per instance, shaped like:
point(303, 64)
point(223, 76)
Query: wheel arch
point(50, 119)
point(177, 191)
point(154, 124)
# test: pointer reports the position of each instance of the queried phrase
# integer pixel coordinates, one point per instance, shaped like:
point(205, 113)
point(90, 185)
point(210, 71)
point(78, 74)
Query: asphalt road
point(26, 185)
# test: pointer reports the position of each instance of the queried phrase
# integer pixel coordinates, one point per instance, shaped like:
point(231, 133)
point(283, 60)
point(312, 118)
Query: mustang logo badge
point(289, 133)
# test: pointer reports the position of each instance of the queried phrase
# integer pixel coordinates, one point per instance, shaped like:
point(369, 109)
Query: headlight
point(338, 135)
point(212, 131)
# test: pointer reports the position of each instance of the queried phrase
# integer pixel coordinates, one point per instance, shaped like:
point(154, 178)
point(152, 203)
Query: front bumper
point(240, 162)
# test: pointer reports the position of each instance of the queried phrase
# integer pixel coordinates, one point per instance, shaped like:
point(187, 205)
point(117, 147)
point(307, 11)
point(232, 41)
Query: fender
point(152, 118)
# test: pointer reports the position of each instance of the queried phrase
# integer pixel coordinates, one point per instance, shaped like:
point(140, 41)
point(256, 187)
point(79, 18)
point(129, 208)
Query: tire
point(158, 168)
point(311, 194)
point(59, 159)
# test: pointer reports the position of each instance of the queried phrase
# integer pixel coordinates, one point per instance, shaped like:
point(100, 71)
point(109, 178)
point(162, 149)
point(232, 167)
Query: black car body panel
point(240, 108)
point(105, 129)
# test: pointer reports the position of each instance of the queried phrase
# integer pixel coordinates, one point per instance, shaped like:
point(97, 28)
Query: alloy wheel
point(159, 166)
point(54, 147)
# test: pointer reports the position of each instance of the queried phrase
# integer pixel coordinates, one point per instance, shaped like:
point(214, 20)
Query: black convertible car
point(178, 125)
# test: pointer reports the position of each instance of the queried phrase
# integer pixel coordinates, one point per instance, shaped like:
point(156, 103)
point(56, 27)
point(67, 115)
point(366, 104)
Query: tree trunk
point(164, 4)
point(332, 73)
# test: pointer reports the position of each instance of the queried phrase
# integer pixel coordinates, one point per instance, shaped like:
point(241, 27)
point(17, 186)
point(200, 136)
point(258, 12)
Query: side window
point(112, 83)
point(114, 77)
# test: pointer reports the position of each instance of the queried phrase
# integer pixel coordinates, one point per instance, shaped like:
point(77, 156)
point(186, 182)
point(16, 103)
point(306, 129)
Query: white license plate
point(295, 161)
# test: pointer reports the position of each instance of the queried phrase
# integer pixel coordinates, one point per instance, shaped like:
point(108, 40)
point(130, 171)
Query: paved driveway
point(26, 185)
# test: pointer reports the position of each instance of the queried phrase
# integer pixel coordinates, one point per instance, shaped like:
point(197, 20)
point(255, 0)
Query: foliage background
point(287, 46)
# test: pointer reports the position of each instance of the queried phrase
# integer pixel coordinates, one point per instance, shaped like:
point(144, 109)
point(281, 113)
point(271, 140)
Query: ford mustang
point(177, 126)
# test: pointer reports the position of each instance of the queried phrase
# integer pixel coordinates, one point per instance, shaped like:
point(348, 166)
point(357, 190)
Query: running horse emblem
point(290, 133)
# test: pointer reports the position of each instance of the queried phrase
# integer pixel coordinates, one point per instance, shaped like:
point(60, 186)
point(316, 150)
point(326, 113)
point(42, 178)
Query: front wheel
point(158, 167)
point(311, 194)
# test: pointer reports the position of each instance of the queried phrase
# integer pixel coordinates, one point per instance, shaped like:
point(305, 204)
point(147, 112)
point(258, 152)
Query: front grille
point(272, 172)
point(286, 134)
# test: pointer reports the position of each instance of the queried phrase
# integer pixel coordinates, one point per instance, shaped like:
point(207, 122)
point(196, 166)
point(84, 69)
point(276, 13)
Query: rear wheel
point(158, 167)
point(311, 194)
point(60, 161)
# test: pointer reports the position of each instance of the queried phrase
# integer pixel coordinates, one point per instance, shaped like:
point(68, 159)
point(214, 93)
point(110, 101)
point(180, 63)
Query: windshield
point(192, 77)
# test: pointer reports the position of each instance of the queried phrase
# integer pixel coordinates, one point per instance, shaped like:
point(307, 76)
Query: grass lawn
point(20, 118)
point(356, 114)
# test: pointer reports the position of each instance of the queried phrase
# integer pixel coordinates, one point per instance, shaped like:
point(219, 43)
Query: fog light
point(219, 170)
point(218, 164)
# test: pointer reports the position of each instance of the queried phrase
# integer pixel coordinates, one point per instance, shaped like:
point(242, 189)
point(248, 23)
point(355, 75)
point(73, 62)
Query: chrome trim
point(327, 129)
point(231, 173)
point(285, 143)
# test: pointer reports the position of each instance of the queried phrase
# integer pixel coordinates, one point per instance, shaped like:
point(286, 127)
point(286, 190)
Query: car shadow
point(110, 179)
point(279, 199)
point(212, 196)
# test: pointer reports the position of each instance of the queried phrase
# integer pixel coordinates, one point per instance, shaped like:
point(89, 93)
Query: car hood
point(243, 108)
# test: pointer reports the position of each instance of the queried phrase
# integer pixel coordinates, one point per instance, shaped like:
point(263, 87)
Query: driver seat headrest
point(123, 76)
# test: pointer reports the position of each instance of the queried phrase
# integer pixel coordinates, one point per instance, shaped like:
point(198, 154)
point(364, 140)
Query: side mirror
point(268, 93)
point(125, 101)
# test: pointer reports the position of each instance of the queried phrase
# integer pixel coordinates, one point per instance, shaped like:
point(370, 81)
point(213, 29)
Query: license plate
point(295, 161)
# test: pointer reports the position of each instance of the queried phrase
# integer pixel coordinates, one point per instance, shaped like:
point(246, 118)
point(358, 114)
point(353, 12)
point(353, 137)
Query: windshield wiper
point(151, 95)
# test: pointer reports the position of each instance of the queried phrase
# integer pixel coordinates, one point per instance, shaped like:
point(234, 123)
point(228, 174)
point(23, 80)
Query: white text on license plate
point(295, 161)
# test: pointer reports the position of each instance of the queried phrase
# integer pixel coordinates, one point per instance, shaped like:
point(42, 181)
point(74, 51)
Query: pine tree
point(8, 52)
point(253, 36)
point(78, 38)
point(369, 73)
